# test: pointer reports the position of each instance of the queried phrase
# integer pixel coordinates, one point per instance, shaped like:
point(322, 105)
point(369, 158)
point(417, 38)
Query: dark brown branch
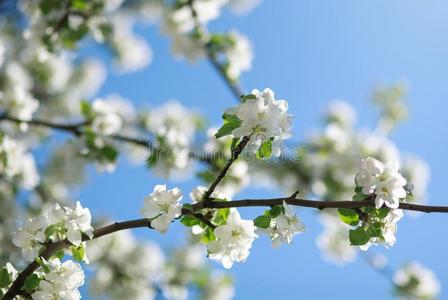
point(75, 129)
point(234, 156)
point(318, 204)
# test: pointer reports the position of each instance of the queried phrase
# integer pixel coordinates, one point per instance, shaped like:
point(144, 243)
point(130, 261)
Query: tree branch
point(234, 156)
point(369, 202)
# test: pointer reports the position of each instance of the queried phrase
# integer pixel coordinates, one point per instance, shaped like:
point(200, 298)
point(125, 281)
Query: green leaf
point(244, 98)
point(50, 230)
point(151, 160)
point(43, 265)
point(190, 220)
point(86, 109)
point(358, 237)
point(78, 252)
point(231, 122)
point(234, 144)
point(382, 212)
point(262, 221)
point(265, 149)
point(31, 283)
point(5, 278)
point(359, 197)
point(208, 236)
point(275, 211)
point(358, 189)
point(60, 254)
point(187, 206)
point(221, 216)
point(79, 4)
point(348, 216)
point(374, 230)
point(108, 153)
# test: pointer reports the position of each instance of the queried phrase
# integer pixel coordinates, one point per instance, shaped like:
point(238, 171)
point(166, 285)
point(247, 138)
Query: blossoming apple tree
point(361, 182)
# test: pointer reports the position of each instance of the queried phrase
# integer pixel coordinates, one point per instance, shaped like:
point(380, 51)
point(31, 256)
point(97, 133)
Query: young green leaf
point(5, 278)
point(231, 122)
point(348, 216)
point(262, 221)
point(31, 283)
point(78, 252)
point(190, 220)
point(358, 237)
point(265, 149)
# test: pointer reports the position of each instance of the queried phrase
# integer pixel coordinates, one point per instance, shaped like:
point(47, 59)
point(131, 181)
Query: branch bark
point(234, 156)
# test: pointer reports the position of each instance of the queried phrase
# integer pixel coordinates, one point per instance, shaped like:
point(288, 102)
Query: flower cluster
point(282, 224)
point(383, 180)
point(174, 127)
point(17, 163)
point(124, 267)
point(59, 280)
point(262, 118)
point(162, 206)
point(233, 240)
point(388, 226)
point(58, 224)
point(413, 281)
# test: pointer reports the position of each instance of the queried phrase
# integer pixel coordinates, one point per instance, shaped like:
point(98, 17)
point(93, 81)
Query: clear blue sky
point(310, 52)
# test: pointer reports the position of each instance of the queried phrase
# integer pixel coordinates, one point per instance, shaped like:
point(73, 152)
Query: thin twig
point(234, 156)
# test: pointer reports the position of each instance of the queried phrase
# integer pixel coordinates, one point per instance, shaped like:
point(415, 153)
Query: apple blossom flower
point(383, 180)
point(264, 119)
point(106, 120)
point(31, 237)
point(239, 55)
point(413, 281)
point(284, 227)
point(62, 282)
point(162, 206)
point(233, 240)
point(74, 222)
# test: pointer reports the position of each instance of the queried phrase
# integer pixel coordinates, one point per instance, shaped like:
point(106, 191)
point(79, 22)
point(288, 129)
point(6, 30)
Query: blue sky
point(309, 52)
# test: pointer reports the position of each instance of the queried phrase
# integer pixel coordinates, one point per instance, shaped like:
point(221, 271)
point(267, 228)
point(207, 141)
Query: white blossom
point(383, 180)
point(284, 227)
point(31, 237)
point(334, 242)
point(172, 122)
point(133, 52)
point(16, 162)
point(341, 112)
point(62, 282)
point(263, 118)
point(125, 267)
point(388, 230)
point(239, 55)
point(417, 173)
point(106, 120)
point(163, 206)
point(413, 281)
point(234, 240)
point(74, 221)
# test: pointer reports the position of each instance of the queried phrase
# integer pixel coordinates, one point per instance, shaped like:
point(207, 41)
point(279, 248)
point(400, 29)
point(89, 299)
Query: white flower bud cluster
point(58, 224)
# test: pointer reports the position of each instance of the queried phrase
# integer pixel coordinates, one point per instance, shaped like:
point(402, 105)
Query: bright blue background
point(309, 52)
